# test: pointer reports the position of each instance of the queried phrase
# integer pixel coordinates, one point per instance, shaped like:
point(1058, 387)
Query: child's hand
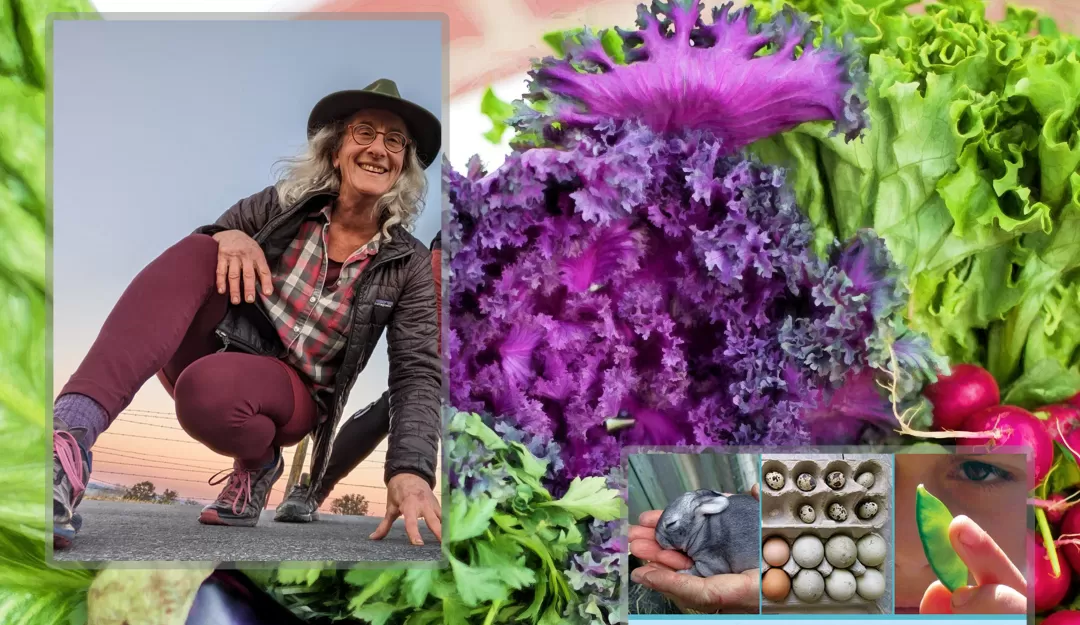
point(1000, 587)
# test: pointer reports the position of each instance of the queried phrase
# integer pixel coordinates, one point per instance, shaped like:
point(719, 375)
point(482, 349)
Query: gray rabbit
point(718, 532)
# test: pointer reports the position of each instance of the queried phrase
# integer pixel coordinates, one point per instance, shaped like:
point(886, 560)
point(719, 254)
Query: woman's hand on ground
point(240, 256)
point(999, 588)
point(410, 496)
point(736, 592)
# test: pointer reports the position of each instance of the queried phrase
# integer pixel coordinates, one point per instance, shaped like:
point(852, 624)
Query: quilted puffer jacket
point(401, 274)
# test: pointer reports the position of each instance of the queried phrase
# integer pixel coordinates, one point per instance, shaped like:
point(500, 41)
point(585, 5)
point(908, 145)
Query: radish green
point(933, 519)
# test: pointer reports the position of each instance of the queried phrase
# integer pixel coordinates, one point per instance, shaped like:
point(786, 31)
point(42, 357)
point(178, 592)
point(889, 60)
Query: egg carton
point(780, 508)
point(856, 604)
point(780, 517)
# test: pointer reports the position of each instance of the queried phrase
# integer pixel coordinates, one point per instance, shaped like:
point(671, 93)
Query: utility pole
point(299, 457)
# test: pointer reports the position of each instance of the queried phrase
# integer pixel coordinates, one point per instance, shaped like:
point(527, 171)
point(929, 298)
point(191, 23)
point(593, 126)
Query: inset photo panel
point(247, 218)
point(696, 515)
point(962, 520)
point(826, 533)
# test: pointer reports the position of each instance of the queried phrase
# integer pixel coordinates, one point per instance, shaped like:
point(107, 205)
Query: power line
point(152, 456)
point(171, 415)
point(153, 438)
point(131, 457)
point(143, 415)
point(151, 425)
point(132, 464)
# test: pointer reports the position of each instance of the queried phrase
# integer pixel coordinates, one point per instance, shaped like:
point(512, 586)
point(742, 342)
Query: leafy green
point(1046, 383)
point(498, 111)
point(509, 544)
point(970, 172)
point(31, 591)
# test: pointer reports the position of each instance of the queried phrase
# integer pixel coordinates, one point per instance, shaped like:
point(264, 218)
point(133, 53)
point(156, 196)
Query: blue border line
point(760, 531)
point(893, 530)
point(929, 619)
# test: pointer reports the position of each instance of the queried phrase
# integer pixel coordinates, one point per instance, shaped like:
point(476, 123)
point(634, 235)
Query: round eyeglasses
point(364, 134)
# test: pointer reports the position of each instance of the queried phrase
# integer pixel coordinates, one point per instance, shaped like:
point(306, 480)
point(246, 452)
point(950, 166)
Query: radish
point(957, 396)
point(1063, 419)
point(1049, 590)
point(1075, 400)
point(1070, 527)
point(1055, 515)
point(1018, 428)
point(1065, 617)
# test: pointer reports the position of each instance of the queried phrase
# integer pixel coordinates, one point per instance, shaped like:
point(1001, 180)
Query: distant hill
point(104, 489)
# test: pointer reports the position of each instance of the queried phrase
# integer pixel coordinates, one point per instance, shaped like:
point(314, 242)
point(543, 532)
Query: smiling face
point(370, 170)
point(990, 489)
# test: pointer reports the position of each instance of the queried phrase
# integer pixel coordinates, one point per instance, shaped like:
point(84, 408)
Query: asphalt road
point(120, 531)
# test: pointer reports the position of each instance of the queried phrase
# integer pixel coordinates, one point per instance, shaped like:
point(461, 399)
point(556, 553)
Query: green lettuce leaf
point(970, 172)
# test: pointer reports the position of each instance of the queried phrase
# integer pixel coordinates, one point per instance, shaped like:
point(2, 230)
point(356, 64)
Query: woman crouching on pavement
point(355, 441)
point(259, 324)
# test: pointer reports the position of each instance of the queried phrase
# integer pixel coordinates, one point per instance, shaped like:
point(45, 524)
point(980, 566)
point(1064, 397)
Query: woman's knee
point(198, 252)
point(204, 401)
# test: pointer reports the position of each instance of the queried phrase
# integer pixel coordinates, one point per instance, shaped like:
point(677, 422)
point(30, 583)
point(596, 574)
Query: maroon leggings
point(239, 405)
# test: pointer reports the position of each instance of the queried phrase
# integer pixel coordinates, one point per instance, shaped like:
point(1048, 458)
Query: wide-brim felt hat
point(424, 128)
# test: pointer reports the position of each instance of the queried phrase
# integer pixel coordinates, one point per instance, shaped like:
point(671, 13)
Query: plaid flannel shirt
point(312, 319)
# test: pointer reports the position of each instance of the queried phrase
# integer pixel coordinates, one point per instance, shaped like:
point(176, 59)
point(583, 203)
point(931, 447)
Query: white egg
point(808, 585)
point(872, 550)
point(871, 586)
point(807, 551)
point(840, 585)
point(840, 551)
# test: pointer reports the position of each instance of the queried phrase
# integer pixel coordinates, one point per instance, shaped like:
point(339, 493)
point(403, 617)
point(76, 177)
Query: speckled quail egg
point(867, 510)
point(837, 512)
point(806, 482)
point(866, 480)
point(835, 480)
point(808, 585)
point(806, 513)
point(774, 480)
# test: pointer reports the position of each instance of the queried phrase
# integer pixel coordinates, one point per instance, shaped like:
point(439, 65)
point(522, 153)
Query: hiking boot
point(245, 495)
point(71, 474)
point(302, 503)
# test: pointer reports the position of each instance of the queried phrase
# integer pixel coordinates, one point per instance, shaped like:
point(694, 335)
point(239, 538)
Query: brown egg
point(775, 585)
point(775, 551)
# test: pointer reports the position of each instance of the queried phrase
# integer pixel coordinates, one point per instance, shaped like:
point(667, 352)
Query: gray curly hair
point(313, 171)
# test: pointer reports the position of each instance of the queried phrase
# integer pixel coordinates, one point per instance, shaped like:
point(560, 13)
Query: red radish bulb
point(1065, 617)
point(1075, 400)
point(955, 397)
point(1049, 590)
point(1071, 526)
point(1018, 428)
point(1064, 418)
point(1055, 515)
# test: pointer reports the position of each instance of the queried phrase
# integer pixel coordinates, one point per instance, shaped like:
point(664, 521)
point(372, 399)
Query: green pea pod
point(934, 519)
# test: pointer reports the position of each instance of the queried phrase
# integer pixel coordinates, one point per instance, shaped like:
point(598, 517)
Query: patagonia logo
point(384, 303)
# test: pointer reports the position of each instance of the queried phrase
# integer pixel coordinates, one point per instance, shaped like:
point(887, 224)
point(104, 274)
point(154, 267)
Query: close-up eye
point(976, 471)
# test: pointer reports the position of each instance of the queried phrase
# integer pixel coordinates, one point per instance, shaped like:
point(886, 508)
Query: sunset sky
point(155, 136)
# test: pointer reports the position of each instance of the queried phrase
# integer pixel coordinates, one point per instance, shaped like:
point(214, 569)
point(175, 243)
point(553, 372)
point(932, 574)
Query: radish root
point(1064, 440)
point(1053, 506)
point(909, 415)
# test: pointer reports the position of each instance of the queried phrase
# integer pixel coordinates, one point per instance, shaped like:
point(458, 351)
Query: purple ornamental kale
point(681, 73)
point(639, 283)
